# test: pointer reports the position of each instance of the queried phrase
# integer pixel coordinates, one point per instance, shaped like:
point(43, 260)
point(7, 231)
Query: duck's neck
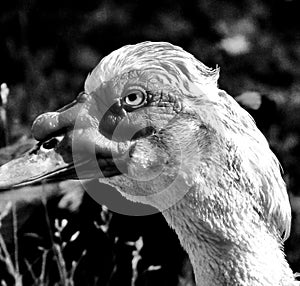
point(228, 250)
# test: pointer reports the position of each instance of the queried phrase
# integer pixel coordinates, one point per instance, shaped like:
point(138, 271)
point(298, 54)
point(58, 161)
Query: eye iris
point(134, 99)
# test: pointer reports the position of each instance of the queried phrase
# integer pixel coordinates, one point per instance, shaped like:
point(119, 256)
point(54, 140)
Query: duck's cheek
point(147, 161)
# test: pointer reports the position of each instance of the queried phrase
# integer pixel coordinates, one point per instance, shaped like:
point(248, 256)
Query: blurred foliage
point(48, 47)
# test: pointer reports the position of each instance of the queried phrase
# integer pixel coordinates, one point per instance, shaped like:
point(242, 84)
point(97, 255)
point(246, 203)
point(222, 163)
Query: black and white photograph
point(150, 143)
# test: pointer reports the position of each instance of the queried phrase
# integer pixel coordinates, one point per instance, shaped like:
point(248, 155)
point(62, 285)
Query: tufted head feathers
point(162, 57)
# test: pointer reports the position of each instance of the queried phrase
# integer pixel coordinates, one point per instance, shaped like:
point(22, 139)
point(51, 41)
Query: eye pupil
point(132, 97)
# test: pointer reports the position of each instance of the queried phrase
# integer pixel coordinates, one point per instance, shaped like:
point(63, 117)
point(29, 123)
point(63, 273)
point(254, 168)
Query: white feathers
point(151, 56)
point(235, 202)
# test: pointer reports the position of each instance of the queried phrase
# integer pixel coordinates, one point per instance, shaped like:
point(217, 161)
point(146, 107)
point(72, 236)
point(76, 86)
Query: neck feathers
point(238, 249)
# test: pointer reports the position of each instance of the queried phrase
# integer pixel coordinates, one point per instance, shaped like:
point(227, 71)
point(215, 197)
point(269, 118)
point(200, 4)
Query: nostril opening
point(52, 143)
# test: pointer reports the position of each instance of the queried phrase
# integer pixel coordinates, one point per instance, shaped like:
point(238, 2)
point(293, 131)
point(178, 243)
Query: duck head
point(152, 118)
point(131, 120)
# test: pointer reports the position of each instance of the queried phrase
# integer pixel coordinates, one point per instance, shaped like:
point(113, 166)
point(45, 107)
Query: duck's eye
point(134, 99)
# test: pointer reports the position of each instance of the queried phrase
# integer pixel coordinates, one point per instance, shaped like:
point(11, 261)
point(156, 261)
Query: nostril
point(52, 143)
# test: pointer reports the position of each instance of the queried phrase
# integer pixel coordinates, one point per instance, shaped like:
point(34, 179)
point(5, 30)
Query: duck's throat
point(248, 255)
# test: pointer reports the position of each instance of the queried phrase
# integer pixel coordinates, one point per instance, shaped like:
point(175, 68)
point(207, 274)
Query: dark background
point(48, 47)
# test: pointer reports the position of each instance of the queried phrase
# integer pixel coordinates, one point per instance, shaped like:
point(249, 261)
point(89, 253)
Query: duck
point(153, 123)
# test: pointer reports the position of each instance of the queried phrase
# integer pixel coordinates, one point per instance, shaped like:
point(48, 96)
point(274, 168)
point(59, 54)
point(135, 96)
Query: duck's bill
point(39, 166)
point(34, 167)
